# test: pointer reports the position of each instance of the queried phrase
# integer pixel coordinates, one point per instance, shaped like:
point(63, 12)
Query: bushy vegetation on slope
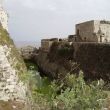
point(6, 40)
point(72, 94)
point(12, 66)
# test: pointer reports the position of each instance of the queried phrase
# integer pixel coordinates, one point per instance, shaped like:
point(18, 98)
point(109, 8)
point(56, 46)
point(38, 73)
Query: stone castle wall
point(45, 45)
point(85, 31)
point(93, 31)
point(105, 29)
point(93, 59)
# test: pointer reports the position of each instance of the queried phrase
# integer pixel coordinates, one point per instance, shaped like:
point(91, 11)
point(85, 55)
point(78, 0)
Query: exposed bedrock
point(13, 90)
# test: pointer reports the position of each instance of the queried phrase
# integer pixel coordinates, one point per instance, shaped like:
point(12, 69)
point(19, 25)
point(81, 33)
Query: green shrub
point(76, 96)
point(81, 96)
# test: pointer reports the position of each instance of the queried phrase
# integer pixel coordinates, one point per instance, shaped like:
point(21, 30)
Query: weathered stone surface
point(12, 88)
point(91, 58)
point(93, 31)
point(94, 60)
point(58, 61)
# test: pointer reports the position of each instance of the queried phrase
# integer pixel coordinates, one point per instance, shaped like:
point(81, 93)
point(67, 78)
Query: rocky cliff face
point(12, 89)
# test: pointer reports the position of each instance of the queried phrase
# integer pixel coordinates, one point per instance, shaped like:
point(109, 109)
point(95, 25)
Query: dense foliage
point(72, 94)
point(5, 40)
point(80, 96)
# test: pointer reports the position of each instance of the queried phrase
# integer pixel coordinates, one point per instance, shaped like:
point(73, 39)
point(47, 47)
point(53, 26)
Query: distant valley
point(26, 43)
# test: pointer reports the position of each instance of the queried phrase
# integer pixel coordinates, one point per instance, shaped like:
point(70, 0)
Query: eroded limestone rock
point(13, 90)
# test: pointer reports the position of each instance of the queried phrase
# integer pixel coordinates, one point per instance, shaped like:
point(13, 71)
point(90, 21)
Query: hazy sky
point(33, 20)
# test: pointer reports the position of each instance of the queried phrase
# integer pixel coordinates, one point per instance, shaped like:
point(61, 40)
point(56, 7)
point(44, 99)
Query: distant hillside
point(25, 43)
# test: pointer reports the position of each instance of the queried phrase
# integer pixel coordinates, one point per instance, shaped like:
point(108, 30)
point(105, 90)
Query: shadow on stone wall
point(94, 60)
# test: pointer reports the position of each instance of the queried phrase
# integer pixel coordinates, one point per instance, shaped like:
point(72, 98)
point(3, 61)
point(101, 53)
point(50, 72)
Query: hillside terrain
point(12, 67)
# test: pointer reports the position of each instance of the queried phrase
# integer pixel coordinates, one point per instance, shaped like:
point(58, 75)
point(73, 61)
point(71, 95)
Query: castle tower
point(3, 16)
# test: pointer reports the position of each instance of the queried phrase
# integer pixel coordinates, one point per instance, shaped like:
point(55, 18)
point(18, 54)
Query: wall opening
point(100, 38)
point(77, 32)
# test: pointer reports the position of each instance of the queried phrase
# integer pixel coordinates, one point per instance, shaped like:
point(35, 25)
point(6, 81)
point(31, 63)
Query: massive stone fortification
point(88, 50)
point(93, 31)
point(47, 43)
